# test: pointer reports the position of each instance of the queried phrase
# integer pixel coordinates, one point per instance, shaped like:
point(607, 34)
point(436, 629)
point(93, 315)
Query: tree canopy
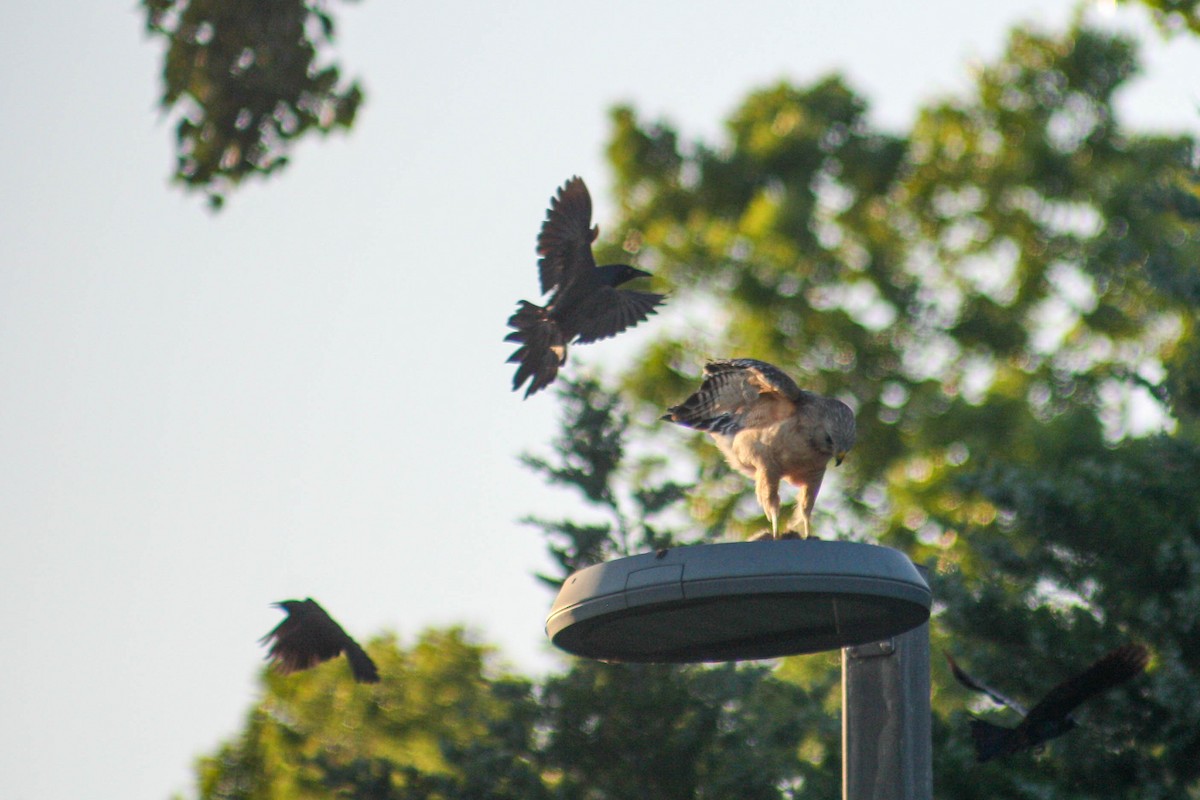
point(1008, 296)
point(246, 81)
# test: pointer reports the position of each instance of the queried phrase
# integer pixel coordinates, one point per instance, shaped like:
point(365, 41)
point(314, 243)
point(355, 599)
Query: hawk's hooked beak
point(838, 457)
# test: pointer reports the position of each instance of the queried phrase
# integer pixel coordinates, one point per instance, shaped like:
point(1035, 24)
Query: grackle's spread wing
point(1111, 670)
point(309, 636)
point(610, 311)
point(967, 680)
point(565, 241)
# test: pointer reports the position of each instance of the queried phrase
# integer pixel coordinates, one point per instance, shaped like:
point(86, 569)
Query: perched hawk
point(1051, 717)
point(586, 305)
point(308, 636)
point(770, 429)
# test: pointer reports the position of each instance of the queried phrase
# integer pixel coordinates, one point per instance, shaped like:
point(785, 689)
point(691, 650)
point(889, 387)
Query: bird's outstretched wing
point(738, 393)
point(610, 311)
point(976, 685)
point(565, 241)
point(1113, 669)
point(309, 636)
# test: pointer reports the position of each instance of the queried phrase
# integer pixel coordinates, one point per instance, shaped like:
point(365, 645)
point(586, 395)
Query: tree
point(442, 724)
point(589, 456)
point(1001, 294)
point(1008, 295)
point(628, 731)
point(245, 82)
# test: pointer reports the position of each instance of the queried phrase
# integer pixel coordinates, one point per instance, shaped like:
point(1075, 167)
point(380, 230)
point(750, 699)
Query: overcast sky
point(306, 394)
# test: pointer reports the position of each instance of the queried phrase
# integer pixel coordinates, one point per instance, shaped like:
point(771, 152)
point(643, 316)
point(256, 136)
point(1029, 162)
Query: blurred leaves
point(1007, 296)
point(1015, 256)
point(590, 446)
point(245, 82)
point(443, 723)
point(589, 457)
point(1173, 16)
point(664, 731)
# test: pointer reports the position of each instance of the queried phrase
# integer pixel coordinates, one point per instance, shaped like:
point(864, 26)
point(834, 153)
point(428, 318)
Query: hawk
point(1051, 717)
point(586, 304)
point(308, 636)
point(769, 429)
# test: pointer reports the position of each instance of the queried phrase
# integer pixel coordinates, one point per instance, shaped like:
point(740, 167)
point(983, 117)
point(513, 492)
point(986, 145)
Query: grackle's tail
point(542, 348)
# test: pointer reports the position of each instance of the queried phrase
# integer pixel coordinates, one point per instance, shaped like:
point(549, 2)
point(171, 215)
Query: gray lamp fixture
point(742, 600)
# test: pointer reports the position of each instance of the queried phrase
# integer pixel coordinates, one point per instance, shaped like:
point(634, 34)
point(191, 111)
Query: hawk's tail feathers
point(992, 740)
point(542, 348)
point(695, 419)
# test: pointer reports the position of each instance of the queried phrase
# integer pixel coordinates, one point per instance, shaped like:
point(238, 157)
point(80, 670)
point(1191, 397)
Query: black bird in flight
point(1051, 717)
point(586, 304)
point(309, 636)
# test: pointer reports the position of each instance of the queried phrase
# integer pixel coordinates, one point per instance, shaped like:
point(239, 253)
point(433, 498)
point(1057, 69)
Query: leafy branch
point(589, 456)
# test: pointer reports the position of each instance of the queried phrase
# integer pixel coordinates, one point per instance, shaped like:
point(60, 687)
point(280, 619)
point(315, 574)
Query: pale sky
point(200, 415)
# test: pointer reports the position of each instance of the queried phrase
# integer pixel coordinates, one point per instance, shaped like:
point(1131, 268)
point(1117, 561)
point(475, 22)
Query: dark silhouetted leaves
point(1007, 296)
point(245, 82)
point(589, 457)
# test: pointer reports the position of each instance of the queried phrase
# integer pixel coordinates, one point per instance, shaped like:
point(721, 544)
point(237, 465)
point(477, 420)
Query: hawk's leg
point(802, 516)
point(766, 489)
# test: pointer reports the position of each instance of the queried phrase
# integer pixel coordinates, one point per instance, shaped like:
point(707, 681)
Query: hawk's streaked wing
point(770, 430)
point(738, 393)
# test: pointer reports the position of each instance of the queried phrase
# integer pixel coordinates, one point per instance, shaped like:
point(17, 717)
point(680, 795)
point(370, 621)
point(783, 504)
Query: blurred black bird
point(586, 305)
point(308, 636)
point(1051, 717)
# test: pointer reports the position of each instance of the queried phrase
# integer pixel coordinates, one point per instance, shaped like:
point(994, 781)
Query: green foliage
point(444, 725)
point(441, 724)
point(992, 293)
point(589, 456)
point(1015, 256)
point(620, 731)
point(1173, 16)
point(1113, 538)
point(1008, 295)
point(246, 81)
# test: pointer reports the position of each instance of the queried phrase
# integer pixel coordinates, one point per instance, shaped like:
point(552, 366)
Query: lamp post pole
point(886, 722)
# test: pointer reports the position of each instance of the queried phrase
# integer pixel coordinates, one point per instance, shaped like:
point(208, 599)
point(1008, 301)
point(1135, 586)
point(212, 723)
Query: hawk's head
point(839, 430)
